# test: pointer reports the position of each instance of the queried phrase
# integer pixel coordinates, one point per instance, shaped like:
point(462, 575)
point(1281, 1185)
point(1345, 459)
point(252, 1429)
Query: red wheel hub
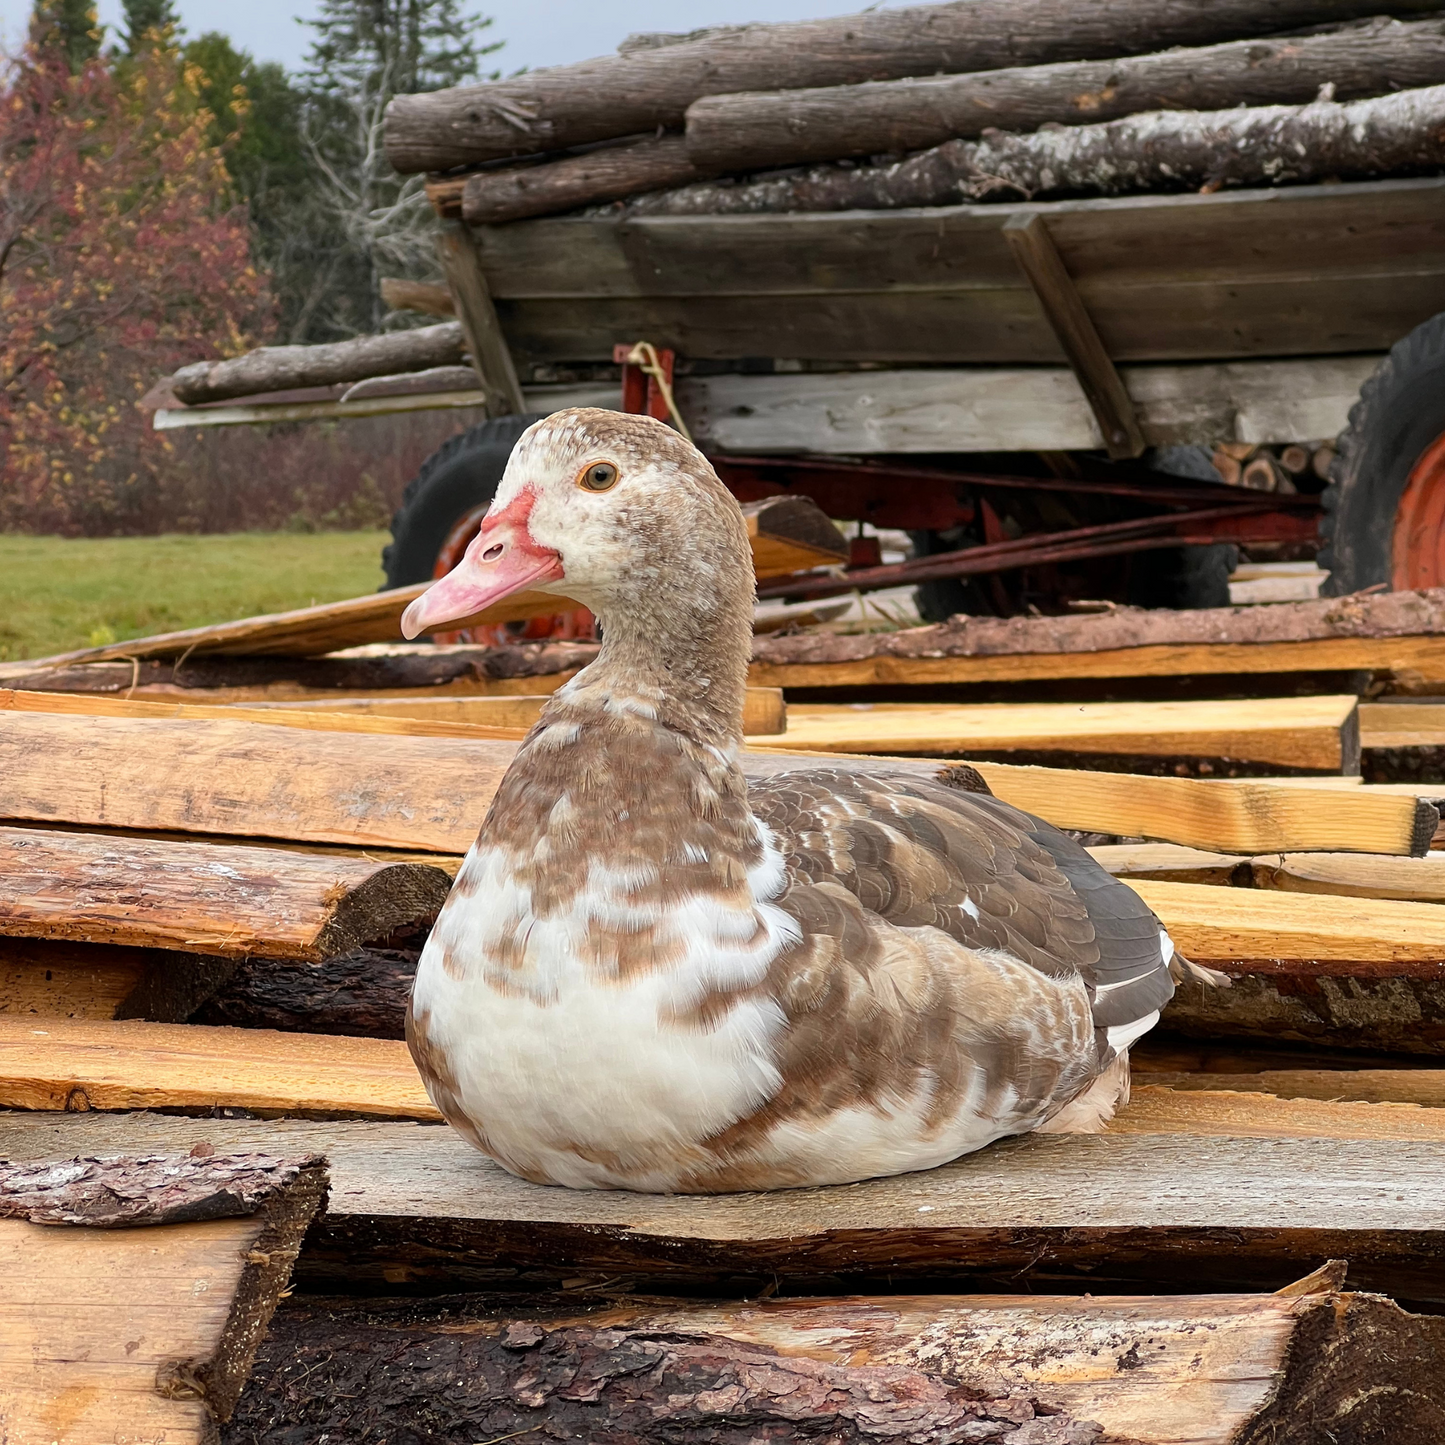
point(576, 625)
point(1418, 546)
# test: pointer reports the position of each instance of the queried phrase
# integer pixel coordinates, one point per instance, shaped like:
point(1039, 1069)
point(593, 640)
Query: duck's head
point(614, 511)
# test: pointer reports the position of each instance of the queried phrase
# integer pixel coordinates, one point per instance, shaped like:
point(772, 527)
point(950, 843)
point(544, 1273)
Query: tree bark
point(649, 88)
point(1290, 1368)
point(278, 368)
point(751, 132)
point(601, 175)
point(1155, 151)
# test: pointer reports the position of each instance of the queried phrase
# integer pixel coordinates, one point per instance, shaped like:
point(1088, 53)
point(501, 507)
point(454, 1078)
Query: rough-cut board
point(414, 1203)
point(1173, 863)
point(1313, 732)
point(1417, 1093)
point(1234, 274)
point(1420, 880)
point(206, 897)
point(53, 1063)
point(1190, 1370)
point(109, 1333)
point(1265, 927)
point(787, 534)
point(248, 779)
point(1240, 817)
point(1394, 630)
point(763, 709)
point(1038, 408)
point(1249, 1109)
point(67, 980)
point(1402, 725)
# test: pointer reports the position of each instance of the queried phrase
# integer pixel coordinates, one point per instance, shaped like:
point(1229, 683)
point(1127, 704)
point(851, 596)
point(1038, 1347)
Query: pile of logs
point(966, 101)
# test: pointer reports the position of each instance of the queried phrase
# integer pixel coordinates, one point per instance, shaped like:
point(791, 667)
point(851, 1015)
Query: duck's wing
point(916, 853)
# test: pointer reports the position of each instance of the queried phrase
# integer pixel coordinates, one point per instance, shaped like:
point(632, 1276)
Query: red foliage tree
point(122, 256)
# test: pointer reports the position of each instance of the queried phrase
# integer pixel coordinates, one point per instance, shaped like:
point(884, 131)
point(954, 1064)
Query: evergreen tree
point(144, 17)
point(374, 223)
point(70, 25)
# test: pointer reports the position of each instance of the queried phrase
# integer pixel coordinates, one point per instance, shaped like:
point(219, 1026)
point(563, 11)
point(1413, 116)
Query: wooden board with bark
point(206, 897)
point(111, 1332)
point(1211, 1370)
point(416, 1205)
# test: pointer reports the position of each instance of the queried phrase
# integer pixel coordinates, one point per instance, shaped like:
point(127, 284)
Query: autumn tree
point(122, 256)
point(69, 26)
point(145, 20)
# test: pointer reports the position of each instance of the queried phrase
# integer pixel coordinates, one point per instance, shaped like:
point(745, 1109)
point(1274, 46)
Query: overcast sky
point(537, 32)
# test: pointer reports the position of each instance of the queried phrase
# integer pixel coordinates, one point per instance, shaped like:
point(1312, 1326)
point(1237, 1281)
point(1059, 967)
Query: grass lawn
point(58, 593)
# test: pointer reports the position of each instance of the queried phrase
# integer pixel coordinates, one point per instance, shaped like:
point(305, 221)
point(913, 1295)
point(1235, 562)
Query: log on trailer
point(754, 131)
point(280, 368)
point(1399, 134)
point(416, 1205)
point(207, 898)
point(1211, 1369)
point(112, 1332)
point(645, 89)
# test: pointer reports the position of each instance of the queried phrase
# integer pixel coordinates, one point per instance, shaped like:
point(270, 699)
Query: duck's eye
point(599, 477)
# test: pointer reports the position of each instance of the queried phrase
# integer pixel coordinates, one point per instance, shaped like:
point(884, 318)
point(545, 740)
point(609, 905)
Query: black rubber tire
point(1401, 410)
point(461, 474)
point(1183, 578)
point(940, 600)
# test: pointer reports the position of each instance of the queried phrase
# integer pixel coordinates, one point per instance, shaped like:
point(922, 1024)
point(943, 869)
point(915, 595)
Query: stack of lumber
point(967, 101)
point(209, 919)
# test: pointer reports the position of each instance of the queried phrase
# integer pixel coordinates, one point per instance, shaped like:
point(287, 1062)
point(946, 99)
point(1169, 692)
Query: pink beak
point(502, 559)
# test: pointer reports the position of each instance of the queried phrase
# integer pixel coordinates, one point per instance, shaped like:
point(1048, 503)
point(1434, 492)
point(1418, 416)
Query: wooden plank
point(1423, 656)
point(245, 779)
point(788, 534)
point(1231, 925)
point(1038, 258)
point(111, 1334)
point(1402, 725)
point(472, 303)
point(1037, 408)
point(1212, 1110)
point(75, 981)
point(1171, 863)
point(1317, 732)
point(206, 897)
point(764, 711)
point(1421, 880)
point(80, 1064)
point(1411, 1092)
point(412, 1204)
point(1190, 277)
point(1224, 816)
point(1180, 1370)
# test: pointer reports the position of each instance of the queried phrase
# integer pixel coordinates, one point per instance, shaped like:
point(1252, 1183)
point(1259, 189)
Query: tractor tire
point(461, 474)
point(1384, 519)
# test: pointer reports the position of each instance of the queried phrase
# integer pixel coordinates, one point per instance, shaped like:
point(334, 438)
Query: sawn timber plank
point(415, 1203)
point(126, 1334)
point(55, 1063)
point(1310, 732)
point(206, 897)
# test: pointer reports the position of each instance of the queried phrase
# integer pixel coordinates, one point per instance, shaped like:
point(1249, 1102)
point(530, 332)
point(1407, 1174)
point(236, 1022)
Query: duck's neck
point(684, 658)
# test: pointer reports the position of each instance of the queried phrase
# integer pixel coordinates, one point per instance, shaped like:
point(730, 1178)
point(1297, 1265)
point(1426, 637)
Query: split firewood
point(122, 1333)
point(1260, 475)
point(1229, 468)
point(1157, 151)
point(1322, 460)
point(752, 132)
point(278, 368)
point(1295, 459)
point(652, 87)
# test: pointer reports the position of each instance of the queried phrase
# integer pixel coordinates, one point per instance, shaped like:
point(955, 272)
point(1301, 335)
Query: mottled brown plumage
point(649, 976)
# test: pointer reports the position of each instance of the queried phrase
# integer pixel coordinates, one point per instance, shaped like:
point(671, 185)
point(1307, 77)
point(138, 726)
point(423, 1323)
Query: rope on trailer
point(644, 356)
